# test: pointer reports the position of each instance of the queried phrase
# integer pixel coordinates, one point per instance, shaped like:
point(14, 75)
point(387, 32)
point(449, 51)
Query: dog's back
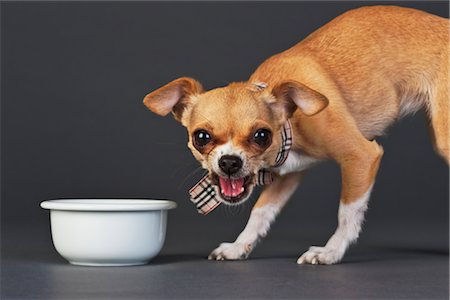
point(386, 62)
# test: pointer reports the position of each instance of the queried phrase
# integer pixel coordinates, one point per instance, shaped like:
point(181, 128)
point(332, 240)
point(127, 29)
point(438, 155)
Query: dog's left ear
point(292, 95)
point(173, 97)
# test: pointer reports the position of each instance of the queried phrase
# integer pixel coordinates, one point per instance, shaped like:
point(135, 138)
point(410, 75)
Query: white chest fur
point(296, 162)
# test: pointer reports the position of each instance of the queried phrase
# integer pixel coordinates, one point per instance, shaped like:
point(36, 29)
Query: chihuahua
point(338, 89)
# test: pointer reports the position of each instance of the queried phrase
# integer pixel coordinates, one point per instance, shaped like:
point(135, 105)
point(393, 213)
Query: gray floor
point(401, 262)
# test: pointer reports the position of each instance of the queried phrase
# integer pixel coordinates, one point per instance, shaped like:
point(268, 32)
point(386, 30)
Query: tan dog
point(341, 87)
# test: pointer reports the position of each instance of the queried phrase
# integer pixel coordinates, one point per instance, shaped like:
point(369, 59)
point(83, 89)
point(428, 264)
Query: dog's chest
point(296, 162)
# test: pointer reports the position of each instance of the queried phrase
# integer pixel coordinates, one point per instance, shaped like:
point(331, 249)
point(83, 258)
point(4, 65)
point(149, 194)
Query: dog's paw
point(320, 255)
point(231, 251)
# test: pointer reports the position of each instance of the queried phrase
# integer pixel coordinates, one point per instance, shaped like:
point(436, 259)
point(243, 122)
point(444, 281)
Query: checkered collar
point(203, 194)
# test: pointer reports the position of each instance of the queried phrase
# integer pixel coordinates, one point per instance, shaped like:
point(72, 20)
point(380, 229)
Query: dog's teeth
point(242, 189)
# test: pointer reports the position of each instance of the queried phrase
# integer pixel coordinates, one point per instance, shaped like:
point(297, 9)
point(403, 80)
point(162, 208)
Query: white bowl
point(108, 232)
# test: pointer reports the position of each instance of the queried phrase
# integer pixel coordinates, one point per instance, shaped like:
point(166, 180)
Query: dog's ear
point(292, 95)
point(174, 97)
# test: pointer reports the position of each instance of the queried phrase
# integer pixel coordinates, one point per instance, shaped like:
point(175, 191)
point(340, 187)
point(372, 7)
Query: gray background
point(73, 76)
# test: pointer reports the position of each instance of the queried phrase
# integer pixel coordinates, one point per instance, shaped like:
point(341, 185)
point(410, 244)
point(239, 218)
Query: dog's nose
point(230, 164)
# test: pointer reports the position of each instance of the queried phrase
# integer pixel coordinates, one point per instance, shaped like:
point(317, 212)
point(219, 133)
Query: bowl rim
point(108, 204)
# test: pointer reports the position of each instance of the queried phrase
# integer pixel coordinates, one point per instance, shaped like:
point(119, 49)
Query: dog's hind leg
point(269, 204)
point(359, 168)
point(439, 119)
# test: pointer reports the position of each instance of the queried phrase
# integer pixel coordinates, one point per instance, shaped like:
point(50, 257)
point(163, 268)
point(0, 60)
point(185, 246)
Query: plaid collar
point(203, 194)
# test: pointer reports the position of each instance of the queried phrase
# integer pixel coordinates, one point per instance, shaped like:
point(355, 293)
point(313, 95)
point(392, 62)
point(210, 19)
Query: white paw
point(320, 255)
point(231, 251)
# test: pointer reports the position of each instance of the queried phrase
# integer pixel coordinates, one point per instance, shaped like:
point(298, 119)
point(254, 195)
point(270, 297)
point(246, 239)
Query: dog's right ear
point(174, 97)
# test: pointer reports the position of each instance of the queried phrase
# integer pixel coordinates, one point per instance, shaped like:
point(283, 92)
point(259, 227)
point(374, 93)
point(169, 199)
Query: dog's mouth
point(233, 190)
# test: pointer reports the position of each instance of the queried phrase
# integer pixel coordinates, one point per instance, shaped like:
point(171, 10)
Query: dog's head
point(234, 131)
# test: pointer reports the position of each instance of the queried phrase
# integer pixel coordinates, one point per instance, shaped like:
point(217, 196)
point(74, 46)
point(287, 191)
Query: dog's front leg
point(358, 175)
point(269, 204)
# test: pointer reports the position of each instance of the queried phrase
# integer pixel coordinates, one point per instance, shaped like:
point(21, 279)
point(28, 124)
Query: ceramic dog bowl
point(108, 232)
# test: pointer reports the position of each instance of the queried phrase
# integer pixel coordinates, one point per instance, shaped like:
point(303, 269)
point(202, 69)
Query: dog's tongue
point(231, 187)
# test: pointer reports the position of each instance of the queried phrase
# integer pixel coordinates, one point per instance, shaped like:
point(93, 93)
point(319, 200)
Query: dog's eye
point(201, 138)
point(262, 137)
